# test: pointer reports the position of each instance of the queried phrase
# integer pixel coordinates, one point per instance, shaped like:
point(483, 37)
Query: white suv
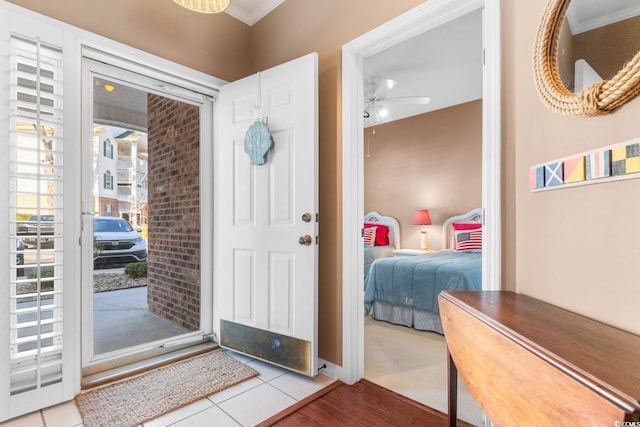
point(116, 242)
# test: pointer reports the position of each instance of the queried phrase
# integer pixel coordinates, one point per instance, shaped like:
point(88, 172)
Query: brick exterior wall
point(104, 201)
point(173, 266)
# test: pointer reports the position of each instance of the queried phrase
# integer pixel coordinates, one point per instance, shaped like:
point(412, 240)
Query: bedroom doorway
point(419, 20)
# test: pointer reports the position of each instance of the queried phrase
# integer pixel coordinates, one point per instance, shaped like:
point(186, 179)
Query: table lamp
point(422, 218)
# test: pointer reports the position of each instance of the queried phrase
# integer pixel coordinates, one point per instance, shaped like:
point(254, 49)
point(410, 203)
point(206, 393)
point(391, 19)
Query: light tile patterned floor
point(244, 404)
point(409, 362)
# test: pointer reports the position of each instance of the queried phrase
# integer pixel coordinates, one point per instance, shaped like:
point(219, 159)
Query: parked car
point(19, 257)
point(29, 229)
point(115, 242)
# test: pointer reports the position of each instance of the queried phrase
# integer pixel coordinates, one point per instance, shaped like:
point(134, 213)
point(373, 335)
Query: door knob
point(306, 217)
point(305, 240)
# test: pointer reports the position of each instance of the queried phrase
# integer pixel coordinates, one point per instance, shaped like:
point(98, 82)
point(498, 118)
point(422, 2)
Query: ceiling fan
point(376, 98)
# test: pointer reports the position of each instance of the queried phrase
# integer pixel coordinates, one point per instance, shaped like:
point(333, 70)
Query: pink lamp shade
point(422, 217)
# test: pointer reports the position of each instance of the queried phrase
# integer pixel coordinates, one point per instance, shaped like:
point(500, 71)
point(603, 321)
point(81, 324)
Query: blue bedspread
point(416, 281)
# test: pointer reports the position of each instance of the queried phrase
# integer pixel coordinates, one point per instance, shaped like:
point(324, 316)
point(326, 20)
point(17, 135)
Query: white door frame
point(416, 21)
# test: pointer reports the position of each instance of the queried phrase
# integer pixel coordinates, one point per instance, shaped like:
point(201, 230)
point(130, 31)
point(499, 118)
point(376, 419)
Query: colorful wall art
point(616, 162)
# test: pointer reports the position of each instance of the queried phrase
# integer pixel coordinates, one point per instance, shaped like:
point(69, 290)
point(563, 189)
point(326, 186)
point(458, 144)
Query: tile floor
point(244, 404)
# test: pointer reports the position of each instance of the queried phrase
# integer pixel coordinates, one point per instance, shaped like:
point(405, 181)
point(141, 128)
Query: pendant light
point(204, 6)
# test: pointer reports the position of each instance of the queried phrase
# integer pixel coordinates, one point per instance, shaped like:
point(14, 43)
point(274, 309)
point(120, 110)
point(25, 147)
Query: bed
point(384, 247)
point(404, 289)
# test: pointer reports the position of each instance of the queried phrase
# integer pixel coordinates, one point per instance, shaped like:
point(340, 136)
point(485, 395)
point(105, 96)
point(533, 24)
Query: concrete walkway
point(122, 319)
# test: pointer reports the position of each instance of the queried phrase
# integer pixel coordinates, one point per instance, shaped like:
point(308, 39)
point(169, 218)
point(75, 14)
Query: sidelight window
point(35, 203)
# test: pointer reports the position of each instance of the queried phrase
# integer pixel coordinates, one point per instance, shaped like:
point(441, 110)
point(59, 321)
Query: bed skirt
point(418, 319)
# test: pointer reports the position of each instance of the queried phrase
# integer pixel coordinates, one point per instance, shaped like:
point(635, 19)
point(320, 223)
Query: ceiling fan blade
point(419, 100)
point(382, 86)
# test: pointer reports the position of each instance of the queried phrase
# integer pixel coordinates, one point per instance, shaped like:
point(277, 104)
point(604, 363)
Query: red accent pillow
point(382, 233)
point(464, 226)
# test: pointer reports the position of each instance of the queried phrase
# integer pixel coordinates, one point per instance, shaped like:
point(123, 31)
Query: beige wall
point(431, 161)
point(574, 247)
point(214, 44)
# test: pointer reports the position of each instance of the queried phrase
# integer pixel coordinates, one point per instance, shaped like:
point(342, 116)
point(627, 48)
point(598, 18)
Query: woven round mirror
point(599, 98)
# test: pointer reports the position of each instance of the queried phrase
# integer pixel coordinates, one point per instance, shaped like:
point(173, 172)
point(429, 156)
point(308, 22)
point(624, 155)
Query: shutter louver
point(36, 173)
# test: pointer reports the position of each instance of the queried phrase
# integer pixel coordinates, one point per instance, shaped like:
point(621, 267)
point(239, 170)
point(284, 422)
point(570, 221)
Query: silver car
point(37, 228)
point(115, 242)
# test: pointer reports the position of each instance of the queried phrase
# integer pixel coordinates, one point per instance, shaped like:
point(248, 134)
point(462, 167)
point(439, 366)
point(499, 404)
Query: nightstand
point(412, 252)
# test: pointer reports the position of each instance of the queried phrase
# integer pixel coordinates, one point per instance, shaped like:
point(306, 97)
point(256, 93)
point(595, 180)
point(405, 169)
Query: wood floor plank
point(361, 404)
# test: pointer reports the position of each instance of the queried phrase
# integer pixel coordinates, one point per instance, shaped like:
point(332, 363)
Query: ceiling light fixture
point(204, 6)
point(108, 87)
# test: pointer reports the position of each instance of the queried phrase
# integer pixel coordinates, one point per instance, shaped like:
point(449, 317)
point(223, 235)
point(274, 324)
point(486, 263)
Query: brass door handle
point(305, 240)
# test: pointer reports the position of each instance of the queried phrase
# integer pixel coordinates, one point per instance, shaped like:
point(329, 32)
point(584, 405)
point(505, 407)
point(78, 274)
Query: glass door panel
point(143, 210)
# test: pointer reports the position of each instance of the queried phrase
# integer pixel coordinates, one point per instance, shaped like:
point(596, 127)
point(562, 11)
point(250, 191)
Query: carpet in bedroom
point(414, 364)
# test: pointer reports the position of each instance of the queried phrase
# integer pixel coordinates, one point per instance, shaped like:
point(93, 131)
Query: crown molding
point(250, 13)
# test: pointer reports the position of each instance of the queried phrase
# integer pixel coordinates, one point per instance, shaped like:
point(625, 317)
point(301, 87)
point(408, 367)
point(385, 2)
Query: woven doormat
point(150, 395)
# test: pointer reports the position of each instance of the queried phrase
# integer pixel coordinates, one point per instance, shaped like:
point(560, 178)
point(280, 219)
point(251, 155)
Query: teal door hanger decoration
point(257, 139)
point(258, 142)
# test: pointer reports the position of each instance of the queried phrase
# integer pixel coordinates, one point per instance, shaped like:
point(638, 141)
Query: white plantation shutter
point(35, 189)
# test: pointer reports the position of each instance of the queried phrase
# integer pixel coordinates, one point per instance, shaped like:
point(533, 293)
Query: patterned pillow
point(370, 236)
point(382, 233)
point(458, 226)
point(468, 240)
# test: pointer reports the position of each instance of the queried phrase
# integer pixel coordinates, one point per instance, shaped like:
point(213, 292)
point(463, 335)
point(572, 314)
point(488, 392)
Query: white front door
point(266, 217)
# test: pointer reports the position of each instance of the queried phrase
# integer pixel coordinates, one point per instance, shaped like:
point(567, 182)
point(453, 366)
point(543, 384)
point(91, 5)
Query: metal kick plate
point(282, 350)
